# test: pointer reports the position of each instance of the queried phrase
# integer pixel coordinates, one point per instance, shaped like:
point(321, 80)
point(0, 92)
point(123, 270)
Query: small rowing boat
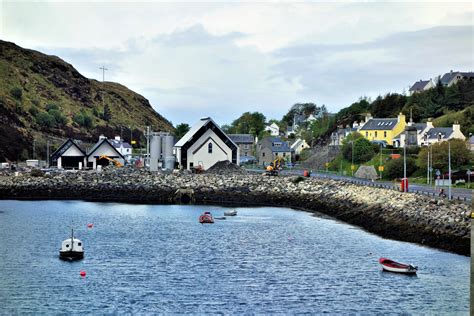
point(206, 218)
point(230, 213)
point(393, 266)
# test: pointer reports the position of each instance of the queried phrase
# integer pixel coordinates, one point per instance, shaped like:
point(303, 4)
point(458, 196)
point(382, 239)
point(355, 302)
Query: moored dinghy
point(206, 218)
point(393, 266)
point(230, 213)
point(71, 248)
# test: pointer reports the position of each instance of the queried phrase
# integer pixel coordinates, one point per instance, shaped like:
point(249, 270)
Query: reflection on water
point(158, 258)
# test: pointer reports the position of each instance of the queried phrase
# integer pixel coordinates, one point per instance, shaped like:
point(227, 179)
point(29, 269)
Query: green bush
point(59, 118)
point(51, 106)
point(44, 119)
point(394, 168)
point(33, 111)
point(16, 93)
point(363, 150)
point(83, 119)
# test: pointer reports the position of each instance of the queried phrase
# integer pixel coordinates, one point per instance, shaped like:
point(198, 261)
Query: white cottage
point(103, 148)
point(204, 145)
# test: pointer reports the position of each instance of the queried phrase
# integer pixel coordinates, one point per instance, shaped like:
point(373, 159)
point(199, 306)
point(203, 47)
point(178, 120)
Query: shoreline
point(406, 217)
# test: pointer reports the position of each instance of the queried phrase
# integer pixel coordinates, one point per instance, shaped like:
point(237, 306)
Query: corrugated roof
point(380, 124)
point(419, 85)
point(241, 138)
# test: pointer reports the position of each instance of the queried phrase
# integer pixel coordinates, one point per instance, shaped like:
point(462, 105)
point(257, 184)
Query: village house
point(452, 77)
point(245, 143)
point(440, 134)
point(204, 145)
point(298, 146)
point(384, 129)
point(269, 148)
point(273, 128)
point(122, 147)
point(421, 85)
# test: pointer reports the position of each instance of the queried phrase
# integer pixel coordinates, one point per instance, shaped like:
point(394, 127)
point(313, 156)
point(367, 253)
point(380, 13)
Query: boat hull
point(396, 267)
point(231, 213)
point(206, 219)
point(71, 255)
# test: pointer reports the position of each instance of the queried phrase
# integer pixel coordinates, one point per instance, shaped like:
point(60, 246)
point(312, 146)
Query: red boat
point(206, 218)
point(393, 266)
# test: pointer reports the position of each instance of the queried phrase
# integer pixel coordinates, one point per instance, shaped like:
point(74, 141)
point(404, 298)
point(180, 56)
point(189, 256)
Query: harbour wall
point(402, 216)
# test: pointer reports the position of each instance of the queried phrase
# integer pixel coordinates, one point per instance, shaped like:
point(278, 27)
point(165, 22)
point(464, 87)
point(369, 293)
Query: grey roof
point(419, 85)
point(380, 124)
point(196, 127)
point(447, 77)
point(445, 132)
point(471, 140)
point(117, 143)
point(273, 142)
point(242, 138)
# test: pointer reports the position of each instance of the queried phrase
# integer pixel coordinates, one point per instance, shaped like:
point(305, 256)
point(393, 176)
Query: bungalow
point(269, 148)
point(204, 145)
point(421, 86)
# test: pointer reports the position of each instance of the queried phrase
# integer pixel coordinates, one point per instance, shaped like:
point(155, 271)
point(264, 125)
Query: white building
point(274, 129)
point(204, 145)
point(439, 134)
point(103, 148)
point(69, 156)
point(122, 147)
point(299, 145)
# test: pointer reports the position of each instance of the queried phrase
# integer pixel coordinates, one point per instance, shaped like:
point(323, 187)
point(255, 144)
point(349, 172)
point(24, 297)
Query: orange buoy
point(90, 225)
point(83, 273)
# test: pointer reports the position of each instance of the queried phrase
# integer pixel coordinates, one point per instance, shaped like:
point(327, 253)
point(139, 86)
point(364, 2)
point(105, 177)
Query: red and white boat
point(393, 266)
point(206, 218)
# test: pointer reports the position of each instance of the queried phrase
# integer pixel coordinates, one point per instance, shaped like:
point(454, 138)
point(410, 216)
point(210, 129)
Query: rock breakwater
point(403, 216)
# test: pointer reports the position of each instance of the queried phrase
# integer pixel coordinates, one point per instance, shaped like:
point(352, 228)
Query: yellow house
point(383, 129)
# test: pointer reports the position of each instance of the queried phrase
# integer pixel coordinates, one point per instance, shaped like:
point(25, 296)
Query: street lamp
point(428, 162)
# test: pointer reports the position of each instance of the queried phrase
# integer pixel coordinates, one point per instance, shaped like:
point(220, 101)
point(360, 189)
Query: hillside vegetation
point(43, 97)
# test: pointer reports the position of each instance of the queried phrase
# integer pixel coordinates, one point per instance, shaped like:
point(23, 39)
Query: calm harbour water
point(159, 259)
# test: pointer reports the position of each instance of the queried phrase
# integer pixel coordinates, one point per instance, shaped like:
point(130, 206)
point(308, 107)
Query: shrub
point(33, 111)
point(16, 93)
point(83, 119)
point(59, 118)
point(51, 106)
point(394, 168)
point(363, 150)
point(45, 120)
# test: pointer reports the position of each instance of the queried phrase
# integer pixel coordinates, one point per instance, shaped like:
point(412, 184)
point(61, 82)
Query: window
point(209, 148)
point(284, 154)
point(191, 164)
point(375, 133)
point(246, 146)
point(67, 245)
point(246, 153)
point(366, 134)
point(384, 134)
point(79, 244)
point(263, 154)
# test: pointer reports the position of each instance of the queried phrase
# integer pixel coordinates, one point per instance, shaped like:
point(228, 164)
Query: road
point(457, 193)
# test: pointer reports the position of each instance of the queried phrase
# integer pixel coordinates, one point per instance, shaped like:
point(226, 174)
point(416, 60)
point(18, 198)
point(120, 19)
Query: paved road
point(457, 193)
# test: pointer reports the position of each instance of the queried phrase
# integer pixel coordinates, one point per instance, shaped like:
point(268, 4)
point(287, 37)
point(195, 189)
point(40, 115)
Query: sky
point(223, 58)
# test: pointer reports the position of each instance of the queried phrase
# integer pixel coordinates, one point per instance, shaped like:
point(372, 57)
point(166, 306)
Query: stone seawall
point(390, 214)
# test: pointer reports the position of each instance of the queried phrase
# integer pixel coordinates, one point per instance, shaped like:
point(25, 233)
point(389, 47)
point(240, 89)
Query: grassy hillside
point(43, 96)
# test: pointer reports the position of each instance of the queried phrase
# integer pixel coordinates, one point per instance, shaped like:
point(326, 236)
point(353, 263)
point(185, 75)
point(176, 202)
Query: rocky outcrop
point(391, 214)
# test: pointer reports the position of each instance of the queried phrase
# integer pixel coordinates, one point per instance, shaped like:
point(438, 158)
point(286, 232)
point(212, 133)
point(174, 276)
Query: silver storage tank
point(155, 151)
point(168, 157)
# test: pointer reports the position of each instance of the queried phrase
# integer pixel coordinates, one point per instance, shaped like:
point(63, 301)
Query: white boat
point(71, 248)
point(230, 213)
point(393, 266)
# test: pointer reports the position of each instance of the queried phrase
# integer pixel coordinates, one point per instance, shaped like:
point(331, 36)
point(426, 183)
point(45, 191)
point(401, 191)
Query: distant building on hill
point(421, 85)
point(384, 129)
point(452, 77)
point(274, 129)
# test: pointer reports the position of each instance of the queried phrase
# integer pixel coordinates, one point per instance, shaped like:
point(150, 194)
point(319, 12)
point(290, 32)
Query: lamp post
point(428, 162)
point(352, 152)
point(405, 165)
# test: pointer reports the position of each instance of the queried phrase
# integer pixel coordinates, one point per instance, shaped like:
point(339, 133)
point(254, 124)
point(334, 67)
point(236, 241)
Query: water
point(159, 259)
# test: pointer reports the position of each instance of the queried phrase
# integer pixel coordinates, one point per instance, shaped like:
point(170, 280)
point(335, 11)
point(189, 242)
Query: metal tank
point(168, 157)
point(155, 151)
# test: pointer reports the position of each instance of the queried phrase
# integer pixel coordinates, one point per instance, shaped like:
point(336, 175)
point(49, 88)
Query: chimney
point(368, 116)
point(456, 127)
point(118, 138)
point(401, 117)
point(101, 137)
point(429, 124)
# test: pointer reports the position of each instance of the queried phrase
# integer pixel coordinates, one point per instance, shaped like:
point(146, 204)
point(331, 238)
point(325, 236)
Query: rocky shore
point(390, 214)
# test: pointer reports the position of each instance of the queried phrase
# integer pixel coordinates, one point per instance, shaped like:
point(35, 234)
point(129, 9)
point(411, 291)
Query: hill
point(43, 97)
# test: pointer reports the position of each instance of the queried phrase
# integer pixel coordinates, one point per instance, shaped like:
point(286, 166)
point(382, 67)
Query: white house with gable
point(274, 129)
point(204, 145)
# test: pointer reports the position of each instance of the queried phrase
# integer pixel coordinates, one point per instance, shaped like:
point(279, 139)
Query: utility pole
point(381, 167)
point(47, 153)
point(405, 165)
point(103, 73)
point(121, 136)
point(352, 152)
point(148, 145)
point(449, 169)
point(34, 148)
point(428, 168)
point(431, 163)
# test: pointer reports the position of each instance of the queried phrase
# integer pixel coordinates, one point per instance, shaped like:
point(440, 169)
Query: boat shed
point(103, 148)
point(204, 145)
point(68, 156)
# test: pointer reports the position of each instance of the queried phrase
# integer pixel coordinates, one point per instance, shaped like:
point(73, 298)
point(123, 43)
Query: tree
point(107, 114)
point(460, 155)
point(249, 122)
point(45, 119)
point(363, 150)
point(59, 118)
point(181, 129)
point(347, 145)
point(394, 168)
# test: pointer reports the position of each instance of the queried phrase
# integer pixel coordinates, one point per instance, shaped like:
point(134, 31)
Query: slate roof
point(242, 138)
point(380, 124)
point(445, 132)
point(117, 143)
point(419, 85)
point(271, 141)
point(447, 77)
